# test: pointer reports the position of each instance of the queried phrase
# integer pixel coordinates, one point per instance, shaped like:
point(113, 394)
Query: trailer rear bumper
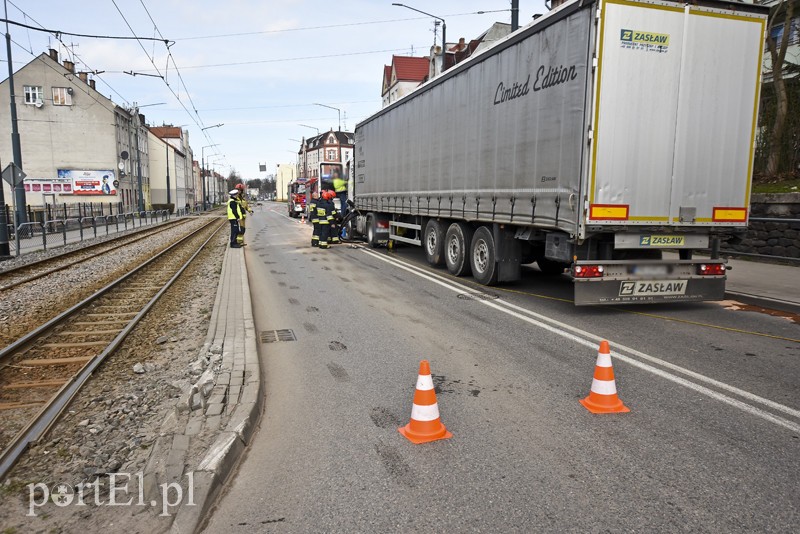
point(620, 285)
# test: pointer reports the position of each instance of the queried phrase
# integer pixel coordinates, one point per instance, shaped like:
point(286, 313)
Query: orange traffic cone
point(425, 424)
point(303, 218)
point(603, 395)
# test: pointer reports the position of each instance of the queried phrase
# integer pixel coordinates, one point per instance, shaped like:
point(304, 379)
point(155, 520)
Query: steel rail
point(138, 235)
point(50, 413)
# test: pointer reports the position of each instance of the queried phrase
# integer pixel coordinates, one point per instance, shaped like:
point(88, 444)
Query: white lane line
point(281, 215)
point(590, 340)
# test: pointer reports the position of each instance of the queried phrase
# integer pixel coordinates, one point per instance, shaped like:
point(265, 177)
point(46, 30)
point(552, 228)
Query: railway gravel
point(112, 424)
point(24, 308)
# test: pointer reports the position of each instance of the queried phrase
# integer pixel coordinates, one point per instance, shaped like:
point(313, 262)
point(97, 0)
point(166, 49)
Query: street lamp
point(444, 31)
point(217, 192)
point(203, 167)
point(337, 109)
point(202, 162)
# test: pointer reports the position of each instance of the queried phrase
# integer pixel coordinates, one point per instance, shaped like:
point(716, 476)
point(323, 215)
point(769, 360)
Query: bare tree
point(233, 179)
point(777, 52)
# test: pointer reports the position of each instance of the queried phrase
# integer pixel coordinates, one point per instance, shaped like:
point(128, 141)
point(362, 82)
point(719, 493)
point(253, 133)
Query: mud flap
point(508, 252)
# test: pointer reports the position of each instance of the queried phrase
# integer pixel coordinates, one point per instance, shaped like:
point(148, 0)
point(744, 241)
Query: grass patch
point(784, 186)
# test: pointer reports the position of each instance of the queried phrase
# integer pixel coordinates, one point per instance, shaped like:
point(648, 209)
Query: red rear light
point(589, 271)
point(711, 269)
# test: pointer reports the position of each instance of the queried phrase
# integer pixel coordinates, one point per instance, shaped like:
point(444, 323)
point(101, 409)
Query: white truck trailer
point(590, 141)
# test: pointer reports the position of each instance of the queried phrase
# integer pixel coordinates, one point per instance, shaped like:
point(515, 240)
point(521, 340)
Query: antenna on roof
point(436, 24)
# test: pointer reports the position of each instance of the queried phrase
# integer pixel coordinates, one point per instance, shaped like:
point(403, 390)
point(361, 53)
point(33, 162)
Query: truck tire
point(456, 248)
point(349, 230)
point(483, 257)
point(434, 242)
point(371, 236)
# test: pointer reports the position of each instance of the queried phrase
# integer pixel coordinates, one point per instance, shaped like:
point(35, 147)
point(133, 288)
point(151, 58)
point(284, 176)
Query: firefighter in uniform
point(334, 228)
point(325, 214)
point(312, 216)
point(245, 210)
point(234, 216)
point(340, 187)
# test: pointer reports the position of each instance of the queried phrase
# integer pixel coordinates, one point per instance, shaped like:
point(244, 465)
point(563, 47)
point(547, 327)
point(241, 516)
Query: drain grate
point(271, 336)
point(478, 296)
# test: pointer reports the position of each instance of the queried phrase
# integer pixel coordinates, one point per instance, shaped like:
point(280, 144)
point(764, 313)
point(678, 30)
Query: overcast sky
point(258, 67)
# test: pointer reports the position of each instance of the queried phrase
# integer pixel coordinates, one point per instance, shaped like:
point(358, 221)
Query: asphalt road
point(712, 442)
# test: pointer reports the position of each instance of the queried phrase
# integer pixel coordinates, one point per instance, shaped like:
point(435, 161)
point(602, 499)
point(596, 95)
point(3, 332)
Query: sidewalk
point(779, 284)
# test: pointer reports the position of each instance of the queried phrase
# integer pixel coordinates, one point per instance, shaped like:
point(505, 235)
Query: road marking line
point(590, 340)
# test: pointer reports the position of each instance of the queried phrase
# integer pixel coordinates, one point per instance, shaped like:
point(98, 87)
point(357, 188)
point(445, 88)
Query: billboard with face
point(86, 182)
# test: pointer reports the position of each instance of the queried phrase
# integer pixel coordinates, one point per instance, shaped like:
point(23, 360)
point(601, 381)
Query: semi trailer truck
point(608, 140)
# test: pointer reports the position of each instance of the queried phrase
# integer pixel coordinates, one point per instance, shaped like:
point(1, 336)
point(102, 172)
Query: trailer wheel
point(456, 248)
point(434, 242)
point(483, 257)
point(371, 237)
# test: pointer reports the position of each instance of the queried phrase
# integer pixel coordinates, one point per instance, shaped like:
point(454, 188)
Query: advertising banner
point(48, 185)
point(91, 182)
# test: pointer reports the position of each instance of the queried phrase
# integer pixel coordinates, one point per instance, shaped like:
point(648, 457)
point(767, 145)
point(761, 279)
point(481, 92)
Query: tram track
point(16, 276)
point(42, 371)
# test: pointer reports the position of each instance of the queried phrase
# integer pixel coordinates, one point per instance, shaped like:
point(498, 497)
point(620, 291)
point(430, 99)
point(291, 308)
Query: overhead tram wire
point(328, 26)
point(75, 56)
point(278, 60)
point(57, 34)
point(171, 57)
point(87, 35)
point(195, 118)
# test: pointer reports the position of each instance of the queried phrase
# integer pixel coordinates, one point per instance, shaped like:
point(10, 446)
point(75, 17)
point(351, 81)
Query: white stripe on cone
point(604, 387)
point(425, 413)
point(424, 382)
point(603, 360)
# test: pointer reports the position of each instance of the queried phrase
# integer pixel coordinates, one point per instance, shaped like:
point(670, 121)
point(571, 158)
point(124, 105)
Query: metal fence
point(56, 232)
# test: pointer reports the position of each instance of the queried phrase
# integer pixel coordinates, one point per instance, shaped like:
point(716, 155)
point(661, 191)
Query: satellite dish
point(121, 166)
point(123, 155)
point(38, 104)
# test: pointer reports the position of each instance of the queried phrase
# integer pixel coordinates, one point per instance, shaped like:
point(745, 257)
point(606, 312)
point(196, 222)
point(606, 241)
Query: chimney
point(84, 76)
point(54, 54)
point(69, 65)
point(92, 84)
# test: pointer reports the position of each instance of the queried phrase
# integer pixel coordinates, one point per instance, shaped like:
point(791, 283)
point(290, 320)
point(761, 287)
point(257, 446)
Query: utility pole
point(138, 156)
point(19, 190)
point(166, 145)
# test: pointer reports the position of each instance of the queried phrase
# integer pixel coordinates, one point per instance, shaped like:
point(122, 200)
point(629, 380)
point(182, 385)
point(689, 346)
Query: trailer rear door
point(675, 104)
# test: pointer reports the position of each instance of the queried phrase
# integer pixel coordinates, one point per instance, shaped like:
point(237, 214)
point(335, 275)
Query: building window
point(62, 96)
point(331, 154)
point(33, 94)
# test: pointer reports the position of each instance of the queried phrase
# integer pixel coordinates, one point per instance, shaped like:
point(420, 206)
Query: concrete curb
point(222, 406)
point(764, 302)
point(245, 398)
